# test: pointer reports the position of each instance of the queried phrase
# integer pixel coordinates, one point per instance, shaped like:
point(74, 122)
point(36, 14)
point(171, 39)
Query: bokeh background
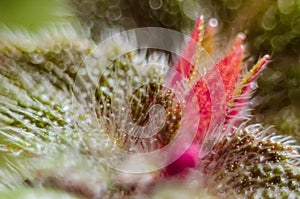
point(272, 27)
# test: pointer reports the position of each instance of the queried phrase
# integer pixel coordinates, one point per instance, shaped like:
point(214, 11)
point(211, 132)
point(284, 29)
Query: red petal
point(230, 67)
point(244, 89)
point(183, 66)
point(204, 101)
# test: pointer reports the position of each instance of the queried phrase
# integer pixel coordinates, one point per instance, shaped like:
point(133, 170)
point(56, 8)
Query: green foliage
point(255, 163)
point(32, 14)
point(35, 194)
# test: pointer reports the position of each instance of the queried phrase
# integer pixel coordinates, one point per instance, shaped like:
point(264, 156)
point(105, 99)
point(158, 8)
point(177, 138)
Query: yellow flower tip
point(266, 59)
point(209, 40)
point(260, 64)
point(200, 28)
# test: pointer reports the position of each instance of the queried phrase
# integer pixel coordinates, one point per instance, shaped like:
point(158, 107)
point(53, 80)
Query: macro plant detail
point(140, 104)
point(117, 120)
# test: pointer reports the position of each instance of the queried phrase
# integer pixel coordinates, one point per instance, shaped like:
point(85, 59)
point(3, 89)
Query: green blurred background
point(32, 14)
point(271, 26)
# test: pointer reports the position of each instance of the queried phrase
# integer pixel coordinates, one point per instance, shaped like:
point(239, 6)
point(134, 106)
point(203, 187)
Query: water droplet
point(37, 58)
point(191, 9)
point(155, 4)
point(106, 90)
point(111, 81)
point(73, 69)
point(286, 6)
point(136, 79)
point(122, 83)
point(49, 66)
point(114, 13)
point(268, 23)
point(121, 72)
point(213, 22)
point(82, 71)
point(233, 4)
point(65, 108)
point(63, 67)
point(168, 19)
